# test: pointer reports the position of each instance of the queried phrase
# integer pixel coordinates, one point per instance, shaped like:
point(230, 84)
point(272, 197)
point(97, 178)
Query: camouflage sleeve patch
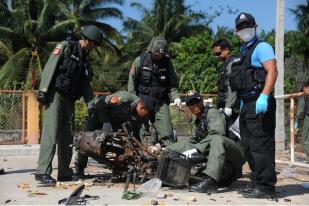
point(132, 70)
point(57, 49)
point(115, 100)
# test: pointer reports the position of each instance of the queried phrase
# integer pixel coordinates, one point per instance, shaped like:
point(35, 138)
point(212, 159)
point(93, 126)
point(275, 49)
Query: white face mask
point(247, 34)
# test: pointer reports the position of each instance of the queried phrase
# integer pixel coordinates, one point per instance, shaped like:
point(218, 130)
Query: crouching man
point(225, 157)
point(111, 111)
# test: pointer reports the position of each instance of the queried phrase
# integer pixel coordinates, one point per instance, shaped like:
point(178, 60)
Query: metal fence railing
point(12, 117)
point(293, 142)
point(13, 120)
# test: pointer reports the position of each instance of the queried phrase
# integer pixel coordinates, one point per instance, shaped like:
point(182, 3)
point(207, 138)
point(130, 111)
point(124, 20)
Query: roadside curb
point(17, 150)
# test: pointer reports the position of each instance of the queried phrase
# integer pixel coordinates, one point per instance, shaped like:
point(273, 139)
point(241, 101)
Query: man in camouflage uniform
point(111, 111)
point(227, 100)
point(225, 157)
point(303, 112)
point(65, 78)
point(153, 77)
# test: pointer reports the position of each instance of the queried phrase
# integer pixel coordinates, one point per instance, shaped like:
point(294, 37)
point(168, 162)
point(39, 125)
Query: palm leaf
point(16, 67)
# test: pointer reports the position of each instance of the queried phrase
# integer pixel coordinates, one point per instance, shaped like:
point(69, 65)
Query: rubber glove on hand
point(296, 125)
point(228, 111)
point(241, 105)
point(190, 152)
point(261, 104)
point(177, 101)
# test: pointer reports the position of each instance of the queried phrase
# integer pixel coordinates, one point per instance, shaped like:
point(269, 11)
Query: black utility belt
point(67, 96)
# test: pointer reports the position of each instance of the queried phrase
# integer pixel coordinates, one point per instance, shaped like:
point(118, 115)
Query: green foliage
point(195, 64)
point(302, 15)
point(80, 116)
point(289, 86)
point(170, 19)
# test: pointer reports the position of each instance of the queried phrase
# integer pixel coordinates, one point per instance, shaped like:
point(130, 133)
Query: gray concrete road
point(20, 168)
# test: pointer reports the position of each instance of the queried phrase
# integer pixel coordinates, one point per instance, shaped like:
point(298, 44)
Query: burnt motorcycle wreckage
point(130, 160)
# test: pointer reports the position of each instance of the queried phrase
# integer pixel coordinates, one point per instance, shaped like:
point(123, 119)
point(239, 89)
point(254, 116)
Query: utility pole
point(279, 87)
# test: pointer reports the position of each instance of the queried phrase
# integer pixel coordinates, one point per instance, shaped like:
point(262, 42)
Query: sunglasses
point(218, 53)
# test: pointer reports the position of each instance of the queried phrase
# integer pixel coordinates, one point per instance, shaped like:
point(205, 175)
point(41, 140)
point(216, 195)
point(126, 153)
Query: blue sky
point(263, 10)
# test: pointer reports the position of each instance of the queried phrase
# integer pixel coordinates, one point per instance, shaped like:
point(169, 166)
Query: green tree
point(302, 14)
point(24, 37)
point(195, 64)
point(33, 27)
point(167, 18)
point(73, 14)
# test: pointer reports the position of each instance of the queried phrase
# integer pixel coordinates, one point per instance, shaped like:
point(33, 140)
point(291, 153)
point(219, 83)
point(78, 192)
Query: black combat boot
point(249, 188)
point(79, 174)
point(206, 185)
point(259, 194)
point(45, 179)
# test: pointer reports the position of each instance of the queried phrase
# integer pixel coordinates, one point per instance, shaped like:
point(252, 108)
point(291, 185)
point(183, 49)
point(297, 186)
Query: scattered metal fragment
point(161, 196)
point(23, 185)
point(287, 200)
point(154, 202)
point(7, 201)
point(192, 199)
point(2, 171)
point(74, 198)
point(213, 199)
point(32, 194)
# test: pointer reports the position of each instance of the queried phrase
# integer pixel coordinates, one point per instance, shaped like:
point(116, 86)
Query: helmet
point(157, 45)
point(244, 17)
point(92, 33)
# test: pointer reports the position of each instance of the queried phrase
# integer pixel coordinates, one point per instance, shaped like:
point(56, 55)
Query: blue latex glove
point(241, 105)
point(296, 125)
point(261, 104)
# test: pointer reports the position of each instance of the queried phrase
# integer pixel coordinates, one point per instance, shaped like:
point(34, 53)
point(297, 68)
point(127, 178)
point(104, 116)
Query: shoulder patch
point(132, 70)
point(57, 49)
point(236, 60)
point(115, 100)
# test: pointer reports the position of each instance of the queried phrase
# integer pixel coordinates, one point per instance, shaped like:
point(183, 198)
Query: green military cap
point(92, 33)
point(157, 45)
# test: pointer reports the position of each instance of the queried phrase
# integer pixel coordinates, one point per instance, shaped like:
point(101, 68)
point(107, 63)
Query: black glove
point(91, 112)
point(42, 97)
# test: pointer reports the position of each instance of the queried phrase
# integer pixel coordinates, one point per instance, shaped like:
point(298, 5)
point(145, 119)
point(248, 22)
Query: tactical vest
point(201, 130)
point(153, 77)
point(121, 112)
point(72, 73)
point(223, 83)
point(244, 77)
point(307, 106)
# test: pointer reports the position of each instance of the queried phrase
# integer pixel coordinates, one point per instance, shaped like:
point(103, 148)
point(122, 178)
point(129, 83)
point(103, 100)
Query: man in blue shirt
point(253, 76)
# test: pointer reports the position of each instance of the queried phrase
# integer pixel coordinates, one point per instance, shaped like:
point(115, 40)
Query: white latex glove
point(228, 111)
point(107, 127)
point(177, 101)
point(190, 152)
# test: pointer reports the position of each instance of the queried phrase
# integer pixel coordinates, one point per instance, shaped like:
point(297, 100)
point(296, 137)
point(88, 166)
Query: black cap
point(244, 17)
point(150, 103)
point(192, 95)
